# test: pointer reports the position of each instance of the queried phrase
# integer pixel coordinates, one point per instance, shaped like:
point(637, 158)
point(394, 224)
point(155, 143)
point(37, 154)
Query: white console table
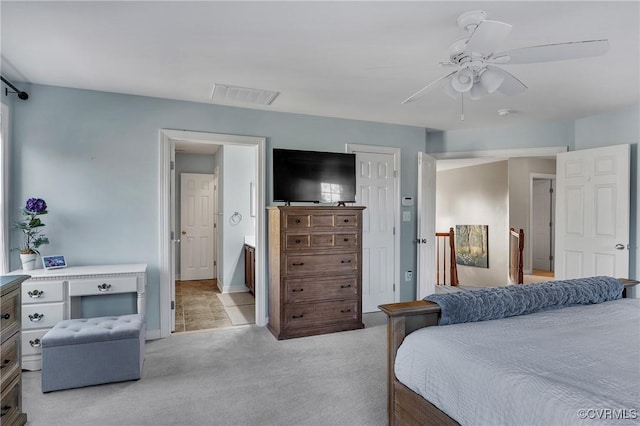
point(50, 296)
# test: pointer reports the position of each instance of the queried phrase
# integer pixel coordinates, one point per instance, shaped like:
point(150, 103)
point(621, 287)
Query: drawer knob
point(345, 285)
point(297, 220)
point(35, 294)
point(5, 410)
point(346, 221)
point(5, 363)
point(104, 287)
point(345, 261)
point(35, 343)
point(6, 316)
point(346, 239)
point(297, 316)
point(36, 317)
point(297, 241)
point(297, 264)
point(297, 289)
point(344, 311)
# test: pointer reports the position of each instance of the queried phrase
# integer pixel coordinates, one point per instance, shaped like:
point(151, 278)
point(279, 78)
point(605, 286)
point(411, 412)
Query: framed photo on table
point(54, 262)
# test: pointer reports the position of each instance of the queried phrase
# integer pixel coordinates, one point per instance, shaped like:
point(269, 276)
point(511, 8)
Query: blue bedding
point(502, 302)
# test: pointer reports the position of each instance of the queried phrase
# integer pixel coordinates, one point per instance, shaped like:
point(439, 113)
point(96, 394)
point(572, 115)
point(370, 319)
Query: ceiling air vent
point(225, 94)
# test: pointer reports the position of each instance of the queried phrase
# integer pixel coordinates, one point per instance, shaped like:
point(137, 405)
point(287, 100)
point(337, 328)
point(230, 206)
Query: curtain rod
point(22, 95)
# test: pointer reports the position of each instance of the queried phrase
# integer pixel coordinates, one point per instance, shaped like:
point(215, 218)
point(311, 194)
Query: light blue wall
point(556, 133)
point(93, 156)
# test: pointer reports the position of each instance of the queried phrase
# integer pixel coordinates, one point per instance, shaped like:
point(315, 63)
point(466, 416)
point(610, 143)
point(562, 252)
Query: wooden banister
point(441, 241)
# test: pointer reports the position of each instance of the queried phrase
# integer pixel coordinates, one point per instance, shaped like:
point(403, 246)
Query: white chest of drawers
point(54, 295)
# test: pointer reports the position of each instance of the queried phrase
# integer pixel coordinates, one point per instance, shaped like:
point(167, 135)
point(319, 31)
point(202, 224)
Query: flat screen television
point(311, 176)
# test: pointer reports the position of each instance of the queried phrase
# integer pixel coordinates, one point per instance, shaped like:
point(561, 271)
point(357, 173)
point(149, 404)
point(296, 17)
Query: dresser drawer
point(304, 220)
point(31, 341)
point(300, 264)
point(93, 286)
point(42, 292)
point(10, 358)
point(346, 220)
point(319, 314)
point(310, 289)
point(45, 315)
point(319, 240)
point(10, 401)
point(9, 310)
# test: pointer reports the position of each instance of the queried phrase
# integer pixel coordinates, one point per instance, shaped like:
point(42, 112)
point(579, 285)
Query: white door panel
point(196, 207)
point(375, 182)
point(541, 220)
point(426, 225)
point(592, 212)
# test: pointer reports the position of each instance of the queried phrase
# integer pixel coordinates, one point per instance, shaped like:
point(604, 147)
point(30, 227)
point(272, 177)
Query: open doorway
point(542, 217)
point(232, 222)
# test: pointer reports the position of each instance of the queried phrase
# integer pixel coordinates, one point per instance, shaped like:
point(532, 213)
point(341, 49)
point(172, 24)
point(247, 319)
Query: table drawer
point(42, 292)
point(346, 220)
point(310, 289)
point(314, 263)
point(305, 315)
point(94, 286)
point(9, 309)
point(45, 315)
point(10, 358)
point(31, 341)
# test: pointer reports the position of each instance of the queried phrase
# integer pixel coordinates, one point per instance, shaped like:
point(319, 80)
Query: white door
point(216, 220)
point(196, 211)
point(375, 182)
point(541, 236)
point(592, 213)
point(426, 225)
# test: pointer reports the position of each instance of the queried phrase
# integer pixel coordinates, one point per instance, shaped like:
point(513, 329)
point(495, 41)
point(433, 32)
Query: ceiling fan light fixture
point(491, 79)
point(477, 91)
point(463, 80)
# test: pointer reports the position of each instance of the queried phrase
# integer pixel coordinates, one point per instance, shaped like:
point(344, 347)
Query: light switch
point(406, 216)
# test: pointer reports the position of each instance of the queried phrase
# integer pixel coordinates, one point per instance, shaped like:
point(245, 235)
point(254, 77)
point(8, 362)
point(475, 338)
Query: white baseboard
point(233, 289)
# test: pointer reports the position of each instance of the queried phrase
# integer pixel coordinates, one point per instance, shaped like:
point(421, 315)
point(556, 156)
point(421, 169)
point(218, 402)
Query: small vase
point(28, 261)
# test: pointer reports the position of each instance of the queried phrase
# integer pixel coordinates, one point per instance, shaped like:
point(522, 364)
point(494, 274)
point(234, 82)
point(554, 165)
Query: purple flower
point(36, 205)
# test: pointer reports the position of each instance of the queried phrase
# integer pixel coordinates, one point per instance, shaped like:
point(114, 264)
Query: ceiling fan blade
point(555, 52)
point(511, 85)
point(487, 36)
point(421, 92)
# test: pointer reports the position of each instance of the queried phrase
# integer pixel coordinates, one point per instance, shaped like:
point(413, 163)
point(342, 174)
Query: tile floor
point(198, 307)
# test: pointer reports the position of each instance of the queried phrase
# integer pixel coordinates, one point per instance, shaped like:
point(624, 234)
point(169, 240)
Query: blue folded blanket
point(502, 302)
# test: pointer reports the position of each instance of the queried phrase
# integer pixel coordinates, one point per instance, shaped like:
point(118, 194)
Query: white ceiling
point(355, 60)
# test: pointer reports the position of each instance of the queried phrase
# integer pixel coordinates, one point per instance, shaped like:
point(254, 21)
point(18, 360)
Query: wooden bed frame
point(405, 407)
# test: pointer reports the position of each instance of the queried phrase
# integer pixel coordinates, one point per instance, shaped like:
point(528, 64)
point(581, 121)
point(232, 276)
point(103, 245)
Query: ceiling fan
point(477, 72)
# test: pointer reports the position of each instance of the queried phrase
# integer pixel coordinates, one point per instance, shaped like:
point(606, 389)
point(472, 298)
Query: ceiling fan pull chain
point(462, 106)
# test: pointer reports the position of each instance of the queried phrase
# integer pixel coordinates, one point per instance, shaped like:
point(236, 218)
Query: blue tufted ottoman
point(83, 352)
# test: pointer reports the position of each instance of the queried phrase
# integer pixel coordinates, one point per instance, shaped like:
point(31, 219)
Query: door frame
point(396, 152)
point(529, 240)
point(167, 222)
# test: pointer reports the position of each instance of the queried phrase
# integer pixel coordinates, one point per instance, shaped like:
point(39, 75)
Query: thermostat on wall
point(407, 201)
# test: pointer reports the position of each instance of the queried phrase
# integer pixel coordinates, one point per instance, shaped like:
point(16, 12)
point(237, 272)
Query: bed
point(447, 375)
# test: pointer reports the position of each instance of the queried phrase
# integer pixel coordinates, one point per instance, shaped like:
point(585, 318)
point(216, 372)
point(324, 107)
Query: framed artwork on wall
point(472, 245)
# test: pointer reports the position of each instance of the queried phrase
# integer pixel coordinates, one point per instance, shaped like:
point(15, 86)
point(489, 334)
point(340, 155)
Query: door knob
point(184, 232)
point(620, 246)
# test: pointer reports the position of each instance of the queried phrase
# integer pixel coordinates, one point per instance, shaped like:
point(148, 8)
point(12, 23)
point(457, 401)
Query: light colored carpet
point(236, 299)
point(236, 376)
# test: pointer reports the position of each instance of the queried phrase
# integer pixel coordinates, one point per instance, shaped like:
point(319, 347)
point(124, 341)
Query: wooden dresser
point(315, 271)
point(11, 364)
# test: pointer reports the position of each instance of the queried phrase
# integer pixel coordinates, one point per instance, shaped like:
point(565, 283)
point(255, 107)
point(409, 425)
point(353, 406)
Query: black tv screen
point(311, 176)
